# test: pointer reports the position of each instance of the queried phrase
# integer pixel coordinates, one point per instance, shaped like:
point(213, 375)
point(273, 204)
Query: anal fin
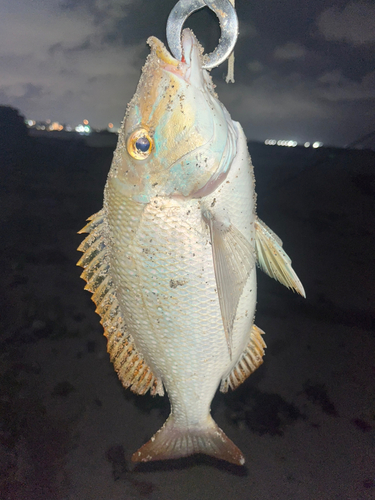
point(172, 441)
point(250, 360)
point(128, 362)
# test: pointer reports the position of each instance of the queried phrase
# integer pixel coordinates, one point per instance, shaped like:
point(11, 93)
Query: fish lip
point(191, 61)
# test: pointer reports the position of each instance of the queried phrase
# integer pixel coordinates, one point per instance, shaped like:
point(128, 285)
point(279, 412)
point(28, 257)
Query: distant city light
point(280, 142)
point(110, 125)
point(291, 143)
point(83, 129)
point(85, 122)
point(56, 126)
point(30, 123)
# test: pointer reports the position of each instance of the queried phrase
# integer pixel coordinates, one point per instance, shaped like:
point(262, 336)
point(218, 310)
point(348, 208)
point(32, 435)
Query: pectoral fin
point(273, 260)
point(233, 258)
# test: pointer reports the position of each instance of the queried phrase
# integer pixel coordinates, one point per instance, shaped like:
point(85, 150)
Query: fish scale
point(173, 244)
point(193, 302)
point(170, 259)
point(161, 333)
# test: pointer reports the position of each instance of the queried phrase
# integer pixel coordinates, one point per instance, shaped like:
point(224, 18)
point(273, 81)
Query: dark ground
point(305, 420)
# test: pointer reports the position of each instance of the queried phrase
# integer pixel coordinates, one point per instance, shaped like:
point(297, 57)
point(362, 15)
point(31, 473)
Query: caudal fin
point(172, 441)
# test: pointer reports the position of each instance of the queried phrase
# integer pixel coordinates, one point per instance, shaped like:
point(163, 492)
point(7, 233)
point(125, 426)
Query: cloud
point(56, 62)
point(336, 87)
point(290, 51)
point(334, 77)
point(354, 24)
point(31, 31)
point(330, 108)
point(255, 66)
point(247, 30)
point(271, 105)
point(72, 59)
point(273, 97)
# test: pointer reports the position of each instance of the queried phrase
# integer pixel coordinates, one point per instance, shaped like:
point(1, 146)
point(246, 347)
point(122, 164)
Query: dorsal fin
point(272, 258)
point(129, 364)
point(250, 360)
point(233, 259)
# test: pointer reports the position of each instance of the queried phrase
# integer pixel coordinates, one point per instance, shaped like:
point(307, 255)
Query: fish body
point(171, 257)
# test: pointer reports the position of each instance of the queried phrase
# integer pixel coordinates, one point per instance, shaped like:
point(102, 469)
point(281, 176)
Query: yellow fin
point(273, 260)
point(173, 441)
point(94, 221)
point(129, 364)
point(250, 360)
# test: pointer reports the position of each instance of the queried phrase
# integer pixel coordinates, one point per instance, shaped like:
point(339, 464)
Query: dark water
point(305, 420)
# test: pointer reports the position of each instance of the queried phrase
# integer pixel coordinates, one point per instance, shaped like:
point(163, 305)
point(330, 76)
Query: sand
point(305, 420)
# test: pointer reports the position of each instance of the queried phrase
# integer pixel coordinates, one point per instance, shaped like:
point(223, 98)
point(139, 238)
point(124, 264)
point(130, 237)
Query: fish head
point(177, 139)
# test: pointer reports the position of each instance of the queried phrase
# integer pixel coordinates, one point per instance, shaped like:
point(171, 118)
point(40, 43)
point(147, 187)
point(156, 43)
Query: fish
point(171, 257)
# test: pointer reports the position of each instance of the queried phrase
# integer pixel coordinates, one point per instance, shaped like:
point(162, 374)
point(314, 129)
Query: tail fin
point(172, 441)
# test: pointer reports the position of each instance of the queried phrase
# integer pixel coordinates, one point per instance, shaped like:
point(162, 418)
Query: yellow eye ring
point(140, 144)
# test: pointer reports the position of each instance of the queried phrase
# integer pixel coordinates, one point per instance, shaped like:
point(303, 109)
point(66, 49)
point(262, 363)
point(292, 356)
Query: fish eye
point(139, 144)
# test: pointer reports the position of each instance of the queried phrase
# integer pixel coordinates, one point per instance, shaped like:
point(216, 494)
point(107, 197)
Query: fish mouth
point(190, 66)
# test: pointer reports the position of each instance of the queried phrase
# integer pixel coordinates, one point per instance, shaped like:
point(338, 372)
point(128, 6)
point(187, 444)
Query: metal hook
point(228, 24)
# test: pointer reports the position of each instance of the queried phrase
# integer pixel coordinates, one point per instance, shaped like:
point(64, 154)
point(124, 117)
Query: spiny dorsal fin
point(233, 258)
point(273, 260)
point(129, 364)
point(250, 360)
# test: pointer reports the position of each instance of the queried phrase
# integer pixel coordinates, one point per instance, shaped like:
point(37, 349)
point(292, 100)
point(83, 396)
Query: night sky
point(304, 69)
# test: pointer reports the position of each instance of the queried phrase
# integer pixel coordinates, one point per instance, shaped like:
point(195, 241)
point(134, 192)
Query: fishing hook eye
point(228, 25)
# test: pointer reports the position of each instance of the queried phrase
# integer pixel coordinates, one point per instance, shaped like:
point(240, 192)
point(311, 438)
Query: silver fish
point(170, 259)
